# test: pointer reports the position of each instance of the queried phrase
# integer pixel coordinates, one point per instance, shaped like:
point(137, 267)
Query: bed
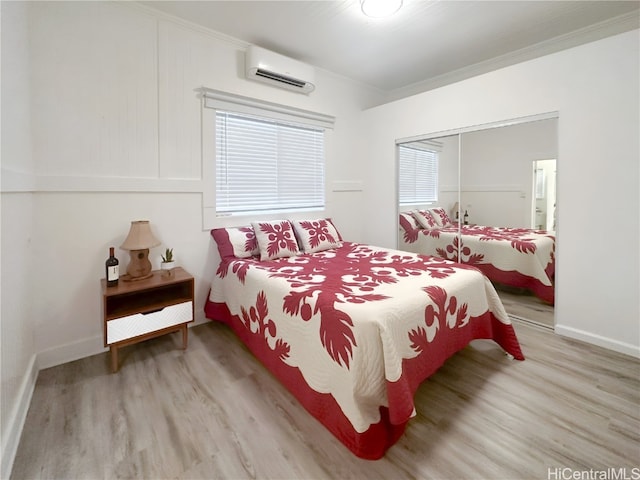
point(351, 330)
point(516, 257)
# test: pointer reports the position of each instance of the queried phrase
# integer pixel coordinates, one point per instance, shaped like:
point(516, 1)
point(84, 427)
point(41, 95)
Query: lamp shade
point(140, 236)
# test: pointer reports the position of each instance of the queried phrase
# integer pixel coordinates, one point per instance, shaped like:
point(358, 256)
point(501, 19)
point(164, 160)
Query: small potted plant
point(167, 264)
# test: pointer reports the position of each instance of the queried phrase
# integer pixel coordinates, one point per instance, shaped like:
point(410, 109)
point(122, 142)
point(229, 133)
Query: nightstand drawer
point(131, 326)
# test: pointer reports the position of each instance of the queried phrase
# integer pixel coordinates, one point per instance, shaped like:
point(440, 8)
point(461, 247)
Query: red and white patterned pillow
point(238, 242)
point(276, 239)
point(317, 235)
point(424, 218)
point(408, 221)
point(441, 217)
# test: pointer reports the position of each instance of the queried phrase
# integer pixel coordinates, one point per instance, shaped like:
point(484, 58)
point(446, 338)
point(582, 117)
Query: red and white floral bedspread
point(353, 331)
point(517, 257)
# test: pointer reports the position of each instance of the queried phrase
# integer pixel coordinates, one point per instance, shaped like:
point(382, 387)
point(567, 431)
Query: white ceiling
point(425, 45)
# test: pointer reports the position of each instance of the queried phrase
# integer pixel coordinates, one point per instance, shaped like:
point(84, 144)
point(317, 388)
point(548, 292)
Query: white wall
point(595, 89)
point(100, 101)
point(17, 349)
point(496, 173)
point(117, 137)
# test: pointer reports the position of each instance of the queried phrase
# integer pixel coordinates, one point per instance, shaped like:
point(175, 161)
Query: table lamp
point(138, 242)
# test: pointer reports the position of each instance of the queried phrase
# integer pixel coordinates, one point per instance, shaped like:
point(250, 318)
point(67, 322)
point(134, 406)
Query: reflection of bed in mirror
point(515, 257)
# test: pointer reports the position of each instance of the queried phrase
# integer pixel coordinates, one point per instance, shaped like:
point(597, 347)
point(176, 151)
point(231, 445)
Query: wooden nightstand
point(140, 310)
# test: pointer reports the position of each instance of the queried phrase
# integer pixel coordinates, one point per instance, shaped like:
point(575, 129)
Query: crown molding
point(592, 33)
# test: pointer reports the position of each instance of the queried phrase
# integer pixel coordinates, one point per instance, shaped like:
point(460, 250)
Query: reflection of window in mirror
point(418, 173)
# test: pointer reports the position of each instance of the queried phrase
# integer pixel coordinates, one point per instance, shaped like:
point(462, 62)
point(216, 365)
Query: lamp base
point(139, 266)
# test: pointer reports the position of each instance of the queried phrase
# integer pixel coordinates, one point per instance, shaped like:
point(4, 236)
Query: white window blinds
point(267, 165)
point(418, 174)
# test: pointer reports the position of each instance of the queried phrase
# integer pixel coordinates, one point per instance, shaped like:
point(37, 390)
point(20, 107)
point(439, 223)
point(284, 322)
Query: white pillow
point(238, 242)
point(424, 218)
point(275, 239)
point(408, 222)
point(439, 214)
point(317, 235)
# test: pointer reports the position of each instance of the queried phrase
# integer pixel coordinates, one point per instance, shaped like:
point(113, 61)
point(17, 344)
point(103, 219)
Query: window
point(264, 164)
point(418, 173)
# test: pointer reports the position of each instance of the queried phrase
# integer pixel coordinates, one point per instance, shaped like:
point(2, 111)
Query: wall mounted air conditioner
point(265, 66)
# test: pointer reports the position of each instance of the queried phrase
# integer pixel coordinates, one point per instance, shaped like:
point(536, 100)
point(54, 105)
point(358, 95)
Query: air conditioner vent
point(280, 78)
point(270, 67)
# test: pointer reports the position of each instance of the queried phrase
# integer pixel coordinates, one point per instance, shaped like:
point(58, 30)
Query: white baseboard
point(84, 348)
point(15, 423)
point(70, 352)
point(530, 322)
point(608, 343)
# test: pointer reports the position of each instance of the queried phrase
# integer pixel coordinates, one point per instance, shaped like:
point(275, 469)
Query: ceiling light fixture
point(380, 8)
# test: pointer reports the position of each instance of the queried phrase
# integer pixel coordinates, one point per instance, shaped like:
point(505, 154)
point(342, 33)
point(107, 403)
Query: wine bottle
point(466, 218)
point(112, 267)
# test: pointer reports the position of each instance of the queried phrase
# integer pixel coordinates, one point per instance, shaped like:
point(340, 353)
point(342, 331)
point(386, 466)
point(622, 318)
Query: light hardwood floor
point(214, 412)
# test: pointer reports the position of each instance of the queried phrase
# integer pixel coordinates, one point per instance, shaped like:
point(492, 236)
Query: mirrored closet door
point(496, 184)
